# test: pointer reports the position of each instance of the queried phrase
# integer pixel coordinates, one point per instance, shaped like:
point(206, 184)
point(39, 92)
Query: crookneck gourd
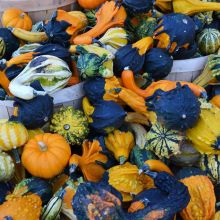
point(120, 143)
point(90, 163)
point(205, 135)
point(71, 124)
point(201, 190)
point(164, 142)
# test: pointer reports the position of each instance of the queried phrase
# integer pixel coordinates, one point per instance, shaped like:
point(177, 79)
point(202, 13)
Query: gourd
point(5, 189)
point(205, 134)
point(210, 164)
point(171, 38)
point(32, 133)
point(25, 49)
point(164, 5)
point(13, 17)
point(99, 88)
point(71, 124)
point(7, 167)
point(89, 4)
point(209, 41)
point(2, 48)
point(132, 55)
point(217, 216)
point(22, 208)
point(163, 142)
point(104, 116)
point(58, 74)
point(106, 202)
point(94, 61)
point(215, 101)
point(128, 81)
point(35, 186)
point(10, 41)
point(33, 113)
point(120, 144)
point(157, 63)
point(125, 178)
point(12, 135)
point(51, 146)
point(188, 156)
point(115, 17)
point(177, 109)
point(90, 163)
point(190, 7)
point(138, 6)
point(201, 190)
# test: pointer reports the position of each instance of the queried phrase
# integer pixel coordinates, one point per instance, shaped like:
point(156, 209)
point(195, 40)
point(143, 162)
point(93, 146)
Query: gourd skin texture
point(201, 190)
point(71, 124)
point(33, 113)
point(90, 4)
point(171, 38)
point(205, 134)
point(46, 155)
point(13, 17)
point(12, 135)
point(22, 208)
point(11, 42)
point(138, 6)
point(158, 63)
point(210, 164)
point(7, 167)
point(163, 142)
point(2, 47)
point(177, 109)
point(209, 41)
point(120, 144)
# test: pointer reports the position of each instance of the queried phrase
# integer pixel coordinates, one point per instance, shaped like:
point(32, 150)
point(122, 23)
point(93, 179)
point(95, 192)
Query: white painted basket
point(71, 96)
point(187, 70)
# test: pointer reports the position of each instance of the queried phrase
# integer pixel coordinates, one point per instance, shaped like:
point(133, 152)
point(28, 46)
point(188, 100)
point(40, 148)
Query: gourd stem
point(42, 146)
point(16, 155)
point(122, 160)
point(22, 15)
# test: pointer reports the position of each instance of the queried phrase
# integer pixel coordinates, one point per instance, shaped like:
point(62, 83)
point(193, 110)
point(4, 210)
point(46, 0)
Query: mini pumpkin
point(51, 146)
point(71, 124)
point(205, 134)
point(201, 190)
point(22, 208)
point(7, 167)
point(90, 162)
point(164, 142)
point(16, 18)
point(120, 143)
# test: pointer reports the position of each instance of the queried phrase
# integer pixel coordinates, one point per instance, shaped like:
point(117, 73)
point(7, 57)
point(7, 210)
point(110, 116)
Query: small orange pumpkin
point(46, 155)
point(16, 18)
point(90, 4)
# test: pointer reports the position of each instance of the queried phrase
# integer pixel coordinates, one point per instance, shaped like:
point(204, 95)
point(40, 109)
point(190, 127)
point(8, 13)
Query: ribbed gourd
point(205, 135)
point(209, 41)
point(70, 123)
point(210, 164)
point(2, 48)
point(7, 167)
point(164, 142)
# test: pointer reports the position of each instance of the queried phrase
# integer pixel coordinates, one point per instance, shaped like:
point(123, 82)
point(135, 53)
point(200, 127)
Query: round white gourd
point(7, 167)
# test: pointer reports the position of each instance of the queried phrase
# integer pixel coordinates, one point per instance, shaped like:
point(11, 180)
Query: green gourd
point(208, 41)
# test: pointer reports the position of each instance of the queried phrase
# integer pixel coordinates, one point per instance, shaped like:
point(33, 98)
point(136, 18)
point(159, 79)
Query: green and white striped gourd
point(209, 41)
point(163, 142)
point(7, 167)
point(25, 49)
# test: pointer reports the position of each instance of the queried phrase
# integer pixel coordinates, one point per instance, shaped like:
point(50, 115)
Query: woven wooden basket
point(38, 9)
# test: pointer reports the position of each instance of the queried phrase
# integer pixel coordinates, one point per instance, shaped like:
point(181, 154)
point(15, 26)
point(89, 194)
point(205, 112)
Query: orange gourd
point(90, 4)
point(16, 18)
point(46, 155)
point(128, 81)
point(109, 15)
point(216, 101)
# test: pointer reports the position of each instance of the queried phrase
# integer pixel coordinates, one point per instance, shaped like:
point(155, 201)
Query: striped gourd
point(12, 135)
point(7, 167)
point(2, 47)
point(209, 41)
point(163, 142)
point(211, 165)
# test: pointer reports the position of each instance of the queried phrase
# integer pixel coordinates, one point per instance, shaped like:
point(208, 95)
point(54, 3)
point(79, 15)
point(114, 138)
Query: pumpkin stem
point(22, 15)
point(42, 146)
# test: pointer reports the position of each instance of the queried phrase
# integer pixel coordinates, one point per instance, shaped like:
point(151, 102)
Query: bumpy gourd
point(201, 190)
point(120, 144)
point(163, 142)
point(71, 124)
point(205, 134)
point(7, 167)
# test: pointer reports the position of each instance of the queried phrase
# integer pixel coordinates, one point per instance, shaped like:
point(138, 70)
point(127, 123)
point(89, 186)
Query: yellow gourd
point(120, 144)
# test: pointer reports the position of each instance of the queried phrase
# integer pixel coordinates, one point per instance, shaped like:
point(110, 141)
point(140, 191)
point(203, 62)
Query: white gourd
point(7, 167)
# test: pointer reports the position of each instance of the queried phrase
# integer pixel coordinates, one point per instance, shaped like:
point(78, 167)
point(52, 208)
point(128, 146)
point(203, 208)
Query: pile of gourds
point(141, 147)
